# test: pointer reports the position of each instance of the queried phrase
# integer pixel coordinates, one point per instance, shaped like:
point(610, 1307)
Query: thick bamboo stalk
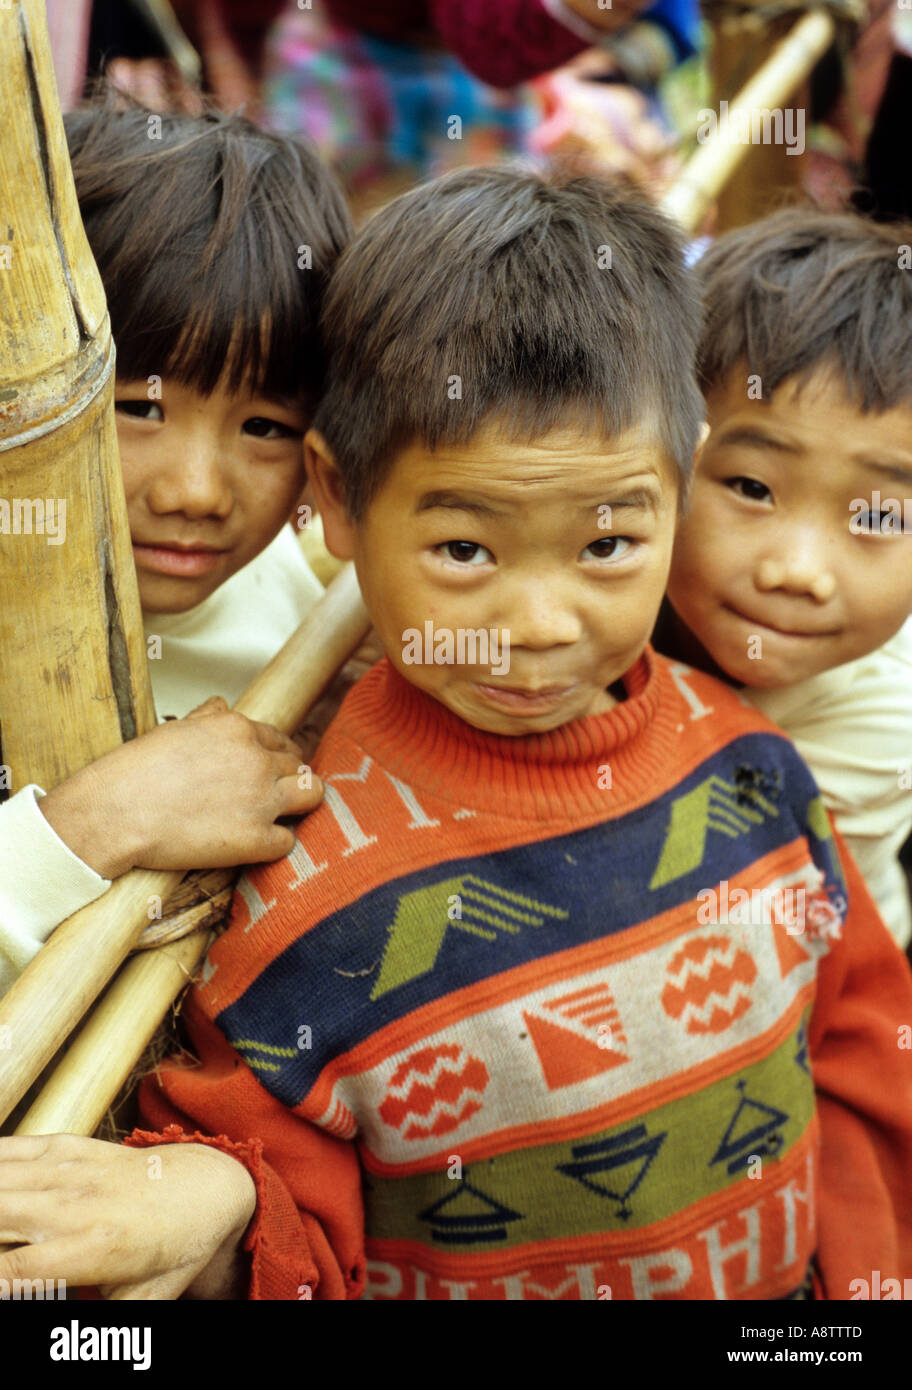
point(73, 678)
point(706, 173)
point(83, 954)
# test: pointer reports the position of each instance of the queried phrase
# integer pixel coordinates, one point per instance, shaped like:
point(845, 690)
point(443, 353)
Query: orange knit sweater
point(594, 1013)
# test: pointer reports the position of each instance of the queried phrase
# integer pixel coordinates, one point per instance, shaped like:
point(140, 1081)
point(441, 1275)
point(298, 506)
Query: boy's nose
point(800, 571)
point(540, 618)
point(195, 484)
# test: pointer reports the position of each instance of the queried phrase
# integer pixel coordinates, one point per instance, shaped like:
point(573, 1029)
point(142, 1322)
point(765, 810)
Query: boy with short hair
point(214, 242)
point(488, 1031)
point(792, 570)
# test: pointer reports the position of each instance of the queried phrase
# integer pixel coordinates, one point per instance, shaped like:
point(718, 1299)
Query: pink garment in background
point(68, 26)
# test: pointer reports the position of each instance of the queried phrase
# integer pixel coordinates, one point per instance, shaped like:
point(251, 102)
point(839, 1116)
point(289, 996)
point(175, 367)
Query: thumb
point(216, 704)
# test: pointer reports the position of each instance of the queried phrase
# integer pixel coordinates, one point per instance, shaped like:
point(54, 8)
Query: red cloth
point(504, 44)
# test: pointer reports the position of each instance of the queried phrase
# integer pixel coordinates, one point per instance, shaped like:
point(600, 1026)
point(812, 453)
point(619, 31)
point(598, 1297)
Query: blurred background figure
point(886, 182)
point(393, 91)
point(162, 52)
point(846, 90)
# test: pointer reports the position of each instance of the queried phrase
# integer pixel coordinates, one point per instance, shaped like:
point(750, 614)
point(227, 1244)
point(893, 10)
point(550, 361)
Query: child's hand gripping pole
point(51, 996)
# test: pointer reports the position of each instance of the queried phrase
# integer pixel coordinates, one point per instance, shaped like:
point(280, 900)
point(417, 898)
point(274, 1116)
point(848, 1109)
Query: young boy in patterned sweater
point(565, 990)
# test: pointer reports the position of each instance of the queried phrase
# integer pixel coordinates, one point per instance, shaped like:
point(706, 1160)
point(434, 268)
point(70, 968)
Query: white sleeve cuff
point(559, 12)
point(42, 882)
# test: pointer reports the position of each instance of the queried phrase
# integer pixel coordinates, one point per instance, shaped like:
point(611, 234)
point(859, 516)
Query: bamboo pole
point(706, 173)
point(160, 15)
point(83, 954)
point(73, 677)
point(758, 184)
point(102, 1056)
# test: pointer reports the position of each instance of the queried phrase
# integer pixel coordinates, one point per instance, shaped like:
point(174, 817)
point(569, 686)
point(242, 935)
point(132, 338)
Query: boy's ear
point(329, 495)
point(684, 494)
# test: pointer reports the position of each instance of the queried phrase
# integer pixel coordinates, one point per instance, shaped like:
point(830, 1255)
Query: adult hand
point(141, 1223)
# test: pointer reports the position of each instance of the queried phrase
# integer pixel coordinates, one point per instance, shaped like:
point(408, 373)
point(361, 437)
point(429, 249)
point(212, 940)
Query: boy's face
point(772, 558)
point(509, 538)
point(209, 481)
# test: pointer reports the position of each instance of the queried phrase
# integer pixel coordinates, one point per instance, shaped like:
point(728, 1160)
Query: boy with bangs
point(472, 1038)
point(792, 570)
point(214, 241)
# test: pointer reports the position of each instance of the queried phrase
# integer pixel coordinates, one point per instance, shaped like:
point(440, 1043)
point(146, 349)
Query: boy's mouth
point(518, 698)
point(778, 630)
point(181, 561)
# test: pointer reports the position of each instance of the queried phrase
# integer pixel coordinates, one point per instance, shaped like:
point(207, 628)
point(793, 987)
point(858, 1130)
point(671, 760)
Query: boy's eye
point(263, 428)
point(609, 547)
point(140, 410)
point(466, 552)
point(749, 488)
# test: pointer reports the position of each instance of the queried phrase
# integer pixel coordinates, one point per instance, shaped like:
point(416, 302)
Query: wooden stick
point(788, 65)
point(53, 993)
point(160, 15)
point(296, 677)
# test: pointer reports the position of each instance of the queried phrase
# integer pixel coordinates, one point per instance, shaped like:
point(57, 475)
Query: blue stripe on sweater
point(440, 929)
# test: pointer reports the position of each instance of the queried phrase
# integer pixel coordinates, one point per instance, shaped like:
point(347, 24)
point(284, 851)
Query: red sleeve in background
point(505, 43)
point(502, 43)
point(863, 1079)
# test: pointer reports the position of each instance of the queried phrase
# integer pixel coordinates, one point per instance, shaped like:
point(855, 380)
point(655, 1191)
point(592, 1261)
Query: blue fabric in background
point(681, 21)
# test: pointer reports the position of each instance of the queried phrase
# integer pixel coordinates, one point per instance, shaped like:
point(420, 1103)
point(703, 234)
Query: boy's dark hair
point(198, 225)
point(486, 295)
point(803, 289)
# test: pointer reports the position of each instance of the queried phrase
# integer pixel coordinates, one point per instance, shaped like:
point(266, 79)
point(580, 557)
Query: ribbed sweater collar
point(553, 775)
